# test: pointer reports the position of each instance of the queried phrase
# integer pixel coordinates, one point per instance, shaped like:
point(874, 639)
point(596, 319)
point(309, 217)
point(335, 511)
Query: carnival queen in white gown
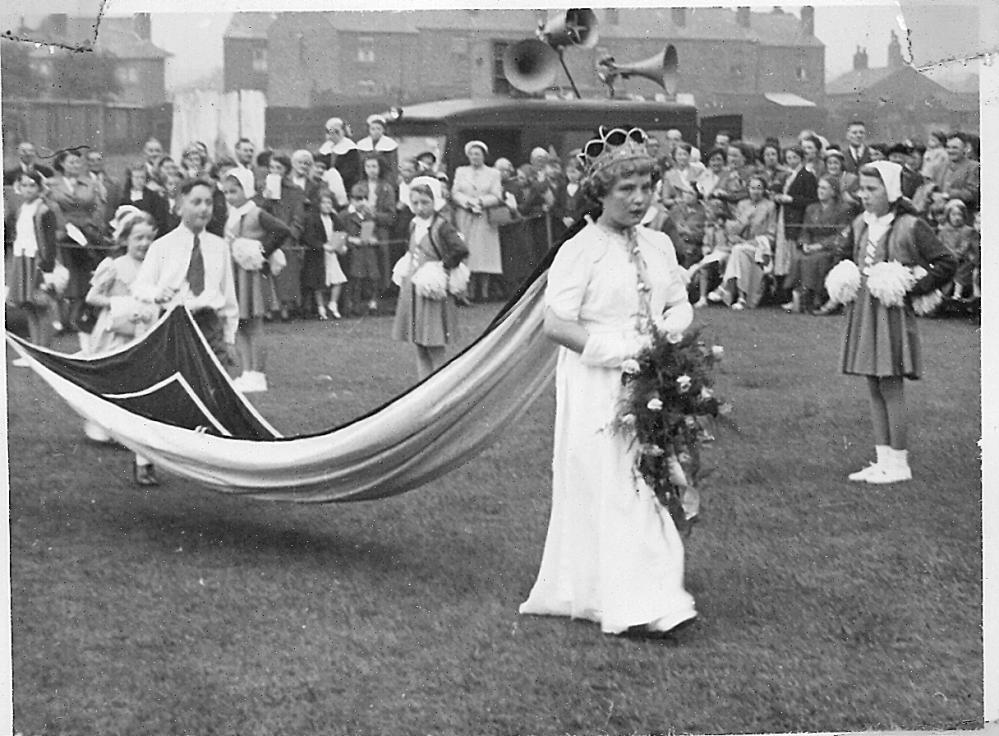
point(612, 553)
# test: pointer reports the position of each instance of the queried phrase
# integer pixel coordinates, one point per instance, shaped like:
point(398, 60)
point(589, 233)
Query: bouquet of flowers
point(666, 395)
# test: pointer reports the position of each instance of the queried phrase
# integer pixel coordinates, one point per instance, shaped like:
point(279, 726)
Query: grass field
point(824, 605)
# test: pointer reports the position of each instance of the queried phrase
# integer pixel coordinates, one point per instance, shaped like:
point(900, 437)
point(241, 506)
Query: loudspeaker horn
point(573, 27)
point(660, 68)
point(530, 65)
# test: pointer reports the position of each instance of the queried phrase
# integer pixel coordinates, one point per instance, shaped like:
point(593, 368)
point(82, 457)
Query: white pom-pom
point(843, 281)
point(430, 280)
point(458, 278)
point(248, 253)
point(401, 269)
point(889, 282)
point(58, 279)
point(927, 303)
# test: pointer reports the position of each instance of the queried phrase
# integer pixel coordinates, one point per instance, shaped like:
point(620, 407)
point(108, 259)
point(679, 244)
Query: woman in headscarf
point(882, 342)
point(476, 188)
point(253, 235)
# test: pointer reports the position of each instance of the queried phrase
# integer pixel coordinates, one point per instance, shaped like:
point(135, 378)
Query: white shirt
point(166, 265)
point(404, 194)
point(25, 240)
point(335, 183)
point(877, 226)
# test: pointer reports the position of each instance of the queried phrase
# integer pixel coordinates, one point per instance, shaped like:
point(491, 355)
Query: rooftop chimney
point(860, 59)
point(807, 20)
point(58, 24)
point(142, 26)
point(679, 17)
point(742, 16)
point(895, 52)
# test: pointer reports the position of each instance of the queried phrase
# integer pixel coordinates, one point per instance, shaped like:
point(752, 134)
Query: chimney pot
point(807, 20)
point(742, 16)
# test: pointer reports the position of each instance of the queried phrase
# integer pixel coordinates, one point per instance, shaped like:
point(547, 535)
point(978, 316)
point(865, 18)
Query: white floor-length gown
point(612, 553)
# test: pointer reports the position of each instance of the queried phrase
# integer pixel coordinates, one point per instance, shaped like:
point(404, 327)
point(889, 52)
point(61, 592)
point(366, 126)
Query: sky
point(941, 30)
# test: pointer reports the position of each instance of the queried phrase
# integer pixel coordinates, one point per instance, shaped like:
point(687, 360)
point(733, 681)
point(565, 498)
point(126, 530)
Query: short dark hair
point(281, 159)
point(61, 156)
point(717, 152)
point(861, 123)
point(188, 184)
point(244, 140)
point(359, 191)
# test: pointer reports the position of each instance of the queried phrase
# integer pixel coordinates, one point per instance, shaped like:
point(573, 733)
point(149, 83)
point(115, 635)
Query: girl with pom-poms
point(898, 260)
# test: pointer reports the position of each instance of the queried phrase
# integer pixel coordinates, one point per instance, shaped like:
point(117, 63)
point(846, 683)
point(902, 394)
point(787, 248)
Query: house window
point(366, 49)
point(802, 74)
point(127, 74)
point(366, 87)
point(501, 85)
point(260, 59)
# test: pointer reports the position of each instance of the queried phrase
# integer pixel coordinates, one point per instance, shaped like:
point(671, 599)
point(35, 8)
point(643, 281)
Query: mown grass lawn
point(825, 605)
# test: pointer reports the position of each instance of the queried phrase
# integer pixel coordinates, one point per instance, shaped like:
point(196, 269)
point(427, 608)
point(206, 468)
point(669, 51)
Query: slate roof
point(249, 25)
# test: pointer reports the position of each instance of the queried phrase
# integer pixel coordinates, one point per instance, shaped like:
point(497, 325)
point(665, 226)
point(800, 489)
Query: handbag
point(499, 215)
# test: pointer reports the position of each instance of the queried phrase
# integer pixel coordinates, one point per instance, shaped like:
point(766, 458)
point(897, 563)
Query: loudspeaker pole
point(566, 68)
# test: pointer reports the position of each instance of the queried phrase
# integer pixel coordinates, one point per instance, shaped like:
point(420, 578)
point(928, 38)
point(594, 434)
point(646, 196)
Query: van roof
point(503, 111)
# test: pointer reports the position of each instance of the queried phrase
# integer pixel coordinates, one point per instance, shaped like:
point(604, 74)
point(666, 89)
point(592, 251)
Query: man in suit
point(191, 266)
point(961, 177)
point(856, 150)
point(27, 162)
point(152, 152)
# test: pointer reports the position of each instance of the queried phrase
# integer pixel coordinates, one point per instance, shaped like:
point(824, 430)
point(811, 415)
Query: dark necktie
point(196, 269)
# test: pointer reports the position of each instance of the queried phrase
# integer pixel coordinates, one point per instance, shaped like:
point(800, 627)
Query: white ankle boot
point(882, 455)
point(896, 470)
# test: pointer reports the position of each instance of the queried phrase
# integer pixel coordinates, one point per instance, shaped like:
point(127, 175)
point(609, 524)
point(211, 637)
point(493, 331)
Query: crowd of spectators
point(753, 224)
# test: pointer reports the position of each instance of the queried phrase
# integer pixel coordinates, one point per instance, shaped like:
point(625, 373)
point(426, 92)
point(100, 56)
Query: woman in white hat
point(476, 188)
point(377, 142)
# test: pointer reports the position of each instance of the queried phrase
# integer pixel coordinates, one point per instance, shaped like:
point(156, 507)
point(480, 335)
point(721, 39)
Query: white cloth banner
point(219, 120)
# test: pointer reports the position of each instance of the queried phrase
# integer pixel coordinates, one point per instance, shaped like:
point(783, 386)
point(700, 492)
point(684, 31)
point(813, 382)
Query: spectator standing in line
point(152, 152)
point(27, 161)
point(848, 183)
point(365, 259)
point(477, 187)
point(139, 195)
point(377, 142)
point(340, 153)
point(194, 161)
point(960, 178)
point(77, 204)
point(191, 266)
point(286, 202)
point(793, 195)
point(856, 153)
point(301, 176)
point(935, 158)
point(31, 232)
point(812, 150)
point(324, 241)
point(771, 167)
point(901, 154)
point(107, 188)
point(380, 201)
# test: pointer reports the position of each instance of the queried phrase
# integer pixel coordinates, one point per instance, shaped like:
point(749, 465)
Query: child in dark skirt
point(882, 342)
point(365, 253)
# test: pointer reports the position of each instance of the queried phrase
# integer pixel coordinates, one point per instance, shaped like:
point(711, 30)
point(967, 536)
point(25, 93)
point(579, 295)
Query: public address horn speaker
point(573, 27)
point(660, 68)
point(530, 65)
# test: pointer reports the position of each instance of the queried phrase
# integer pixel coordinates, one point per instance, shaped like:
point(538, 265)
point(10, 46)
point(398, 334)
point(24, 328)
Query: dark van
point(512, 127)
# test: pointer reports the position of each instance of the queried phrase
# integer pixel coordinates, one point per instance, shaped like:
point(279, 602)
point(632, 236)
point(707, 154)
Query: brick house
point(730, 60)
point(896, 101)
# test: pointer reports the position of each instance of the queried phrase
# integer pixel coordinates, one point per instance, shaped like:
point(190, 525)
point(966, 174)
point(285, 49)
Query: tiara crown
point(612, 146)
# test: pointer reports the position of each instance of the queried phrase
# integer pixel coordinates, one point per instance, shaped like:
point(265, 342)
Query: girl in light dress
point(612, 553)
point(122, 317)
